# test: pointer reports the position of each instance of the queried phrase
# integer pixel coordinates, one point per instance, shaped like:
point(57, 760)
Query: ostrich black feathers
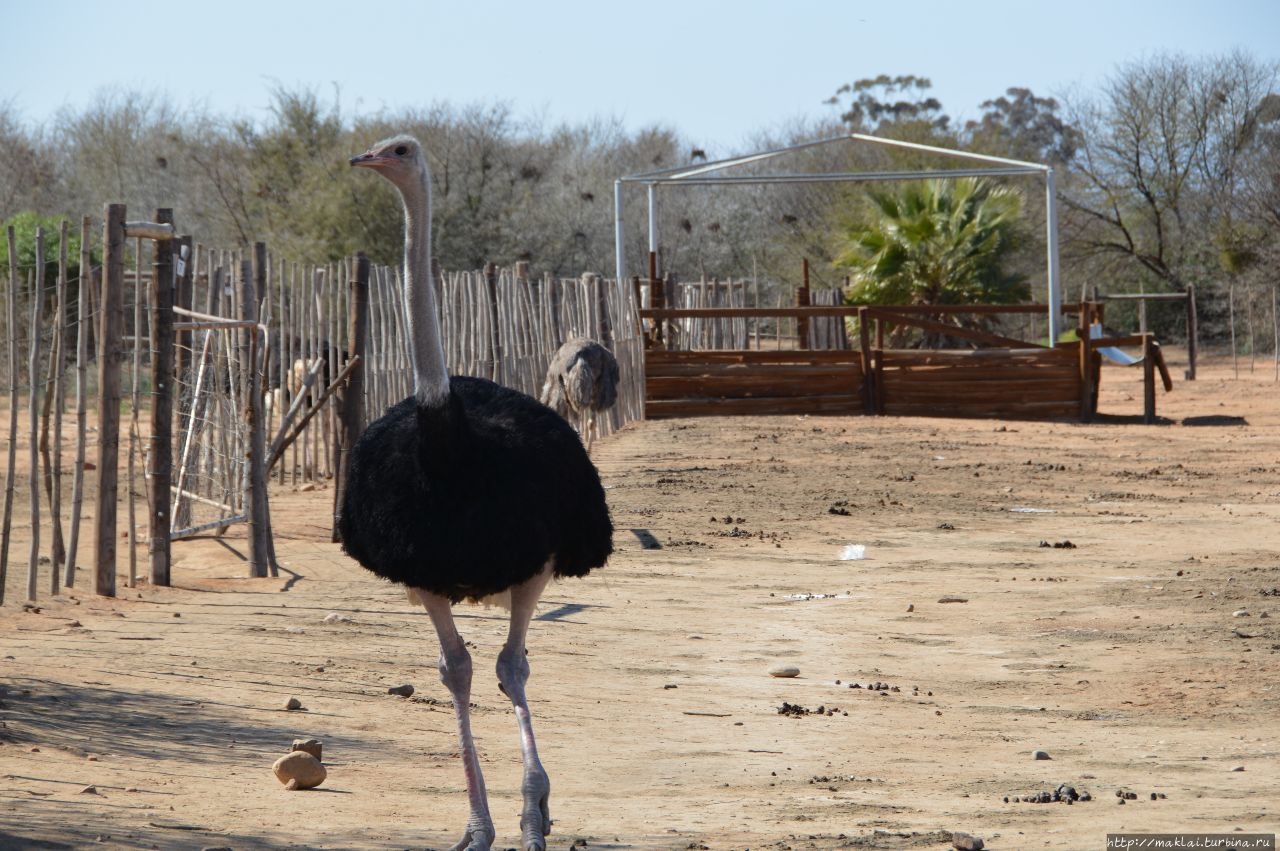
point(469, 496)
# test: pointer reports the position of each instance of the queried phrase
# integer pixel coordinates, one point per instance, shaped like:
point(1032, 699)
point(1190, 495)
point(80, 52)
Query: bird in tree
point(468, 490)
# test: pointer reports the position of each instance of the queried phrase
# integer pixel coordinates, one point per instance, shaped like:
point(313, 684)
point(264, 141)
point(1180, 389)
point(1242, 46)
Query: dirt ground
point(1108, 594)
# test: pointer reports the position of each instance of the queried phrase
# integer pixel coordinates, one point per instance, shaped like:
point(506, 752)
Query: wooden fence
point(993, 375)
point(241, 365)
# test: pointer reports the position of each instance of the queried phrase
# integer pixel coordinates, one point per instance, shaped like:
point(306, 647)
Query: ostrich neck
point(430, 374)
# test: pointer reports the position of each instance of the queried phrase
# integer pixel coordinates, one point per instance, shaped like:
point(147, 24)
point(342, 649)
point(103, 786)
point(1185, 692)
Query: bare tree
point(27, 171)
point(1158, 179)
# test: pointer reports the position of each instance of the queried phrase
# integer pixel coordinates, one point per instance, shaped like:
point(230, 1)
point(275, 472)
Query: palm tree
point(937, 242)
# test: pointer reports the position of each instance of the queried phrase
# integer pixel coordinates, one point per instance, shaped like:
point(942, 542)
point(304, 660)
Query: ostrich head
point(399, 159)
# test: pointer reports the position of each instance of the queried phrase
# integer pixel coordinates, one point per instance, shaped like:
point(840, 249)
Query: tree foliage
point(937, 242)
point(1020, 125)
point(1167, 174)
point(1171, 153)
point(25, 227)
point(878, 103)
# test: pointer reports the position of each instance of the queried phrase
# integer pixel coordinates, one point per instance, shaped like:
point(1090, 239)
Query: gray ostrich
point(582, 380)
point(468, 490)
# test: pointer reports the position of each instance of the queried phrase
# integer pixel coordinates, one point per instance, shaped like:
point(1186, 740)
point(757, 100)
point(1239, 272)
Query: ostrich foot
point(475, 839)
point(535, 820)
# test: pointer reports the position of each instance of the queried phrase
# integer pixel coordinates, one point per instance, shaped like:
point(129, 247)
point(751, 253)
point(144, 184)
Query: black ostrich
point(464, 491)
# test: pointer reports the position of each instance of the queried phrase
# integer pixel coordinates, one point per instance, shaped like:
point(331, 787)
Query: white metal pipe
point(1051, 249)
point(731, 162)
point(653, 218)
point(948, 152)
point(847, 176)
point(619, 240)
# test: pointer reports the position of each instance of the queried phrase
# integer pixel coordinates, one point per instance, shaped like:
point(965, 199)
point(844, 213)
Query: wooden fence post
point(85, 285)
point(868, 362)
point(183, 296)
point(33, 376)
point(10, 468)
point(495, 321)
point(1086, 361)
point(162, 386)
point(110, 357)
point(351, 398)
point(258, 445)
point(802, 300)
point(1148, 378)
point(260, 561)
point(1192, 332)
point(58, 360)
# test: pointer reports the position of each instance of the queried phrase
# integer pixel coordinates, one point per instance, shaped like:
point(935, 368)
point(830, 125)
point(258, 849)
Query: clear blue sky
point(714, 71)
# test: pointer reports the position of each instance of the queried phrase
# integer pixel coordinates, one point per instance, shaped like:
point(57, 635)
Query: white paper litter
point(1032, 510)
point(853, 552)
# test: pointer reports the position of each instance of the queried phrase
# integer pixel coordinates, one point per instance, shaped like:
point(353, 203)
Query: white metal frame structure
point(704, 175)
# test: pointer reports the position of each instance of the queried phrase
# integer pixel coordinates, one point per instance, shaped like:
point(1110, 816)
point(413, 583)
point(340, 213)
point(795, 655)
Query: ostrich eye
point(401, 150)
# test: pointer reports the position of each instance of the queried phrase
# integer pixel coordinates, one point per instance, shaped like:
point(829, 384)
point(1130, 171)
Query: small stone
point(1040, 755)
point(911, 607)
point(951, 598)
point(1238, 768)
point(405, 690)
point(299, 770)
point(784, 671)
point(1241, 613)
point(311, 746)
point(89, 790)
point(292, 704)
point(966, 842)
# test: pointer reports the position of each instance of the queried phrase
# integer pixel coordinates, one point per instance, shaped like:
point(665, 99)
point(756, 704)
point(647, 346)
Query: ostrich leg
point(455, 673)
point(513, 672)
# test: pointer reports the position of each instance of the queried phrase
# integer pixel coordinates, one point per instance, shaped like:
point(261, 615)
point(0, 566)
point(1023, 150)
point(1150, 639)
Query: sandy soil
point(1109, 594)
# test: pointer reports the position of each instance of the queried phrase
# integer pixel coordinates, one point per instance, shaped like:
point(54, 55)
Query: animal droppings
point(299, 770)
point(405, 690)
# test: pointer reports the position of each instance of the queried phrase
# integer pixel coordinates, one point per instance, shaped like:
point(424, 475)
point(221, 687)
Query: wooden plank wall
point(1003, 377)
point(1030, 383)
point(707, 383)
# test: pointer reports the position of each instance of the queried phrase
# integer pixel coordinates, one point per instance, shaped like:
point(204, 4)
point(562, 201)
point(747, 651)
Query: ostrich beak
point(368, 160)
